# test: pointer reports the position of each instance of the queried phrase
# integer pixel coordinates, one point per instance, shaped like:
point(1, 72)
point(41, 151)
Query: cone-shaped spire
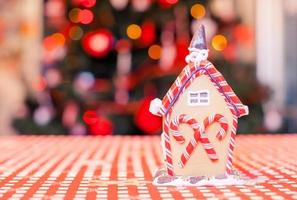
point(199, 40)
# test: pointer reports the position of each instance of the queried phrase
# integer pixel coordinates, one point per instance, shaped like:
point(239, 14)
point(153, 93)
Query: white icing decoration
point(155, 106)
point(196, 56)
point(181, 181)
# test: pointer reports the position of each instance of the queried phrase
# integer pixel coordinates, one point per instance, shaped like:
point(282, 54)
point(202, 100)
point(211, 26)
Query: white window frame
point(199, 98)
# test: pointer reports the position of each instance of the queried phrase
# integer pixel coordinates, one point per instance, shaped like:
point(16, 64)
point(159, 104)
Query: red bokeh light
point(49, 43)
point(40, 84)
point(90, 117)
point(146, 121)
point(85, 16)
point(97, 43)
point(148, 35)
point(102, 127)
point(167, 3)
point(123, 45)
point(98, 125)
point(70, 114)
point(243, 34)
point(182, 46)
point(84, 3)
point(230, 52)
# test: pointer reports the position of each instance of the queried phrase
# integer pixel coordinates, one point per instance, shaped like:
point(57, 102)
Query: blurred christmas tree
point(105, 60)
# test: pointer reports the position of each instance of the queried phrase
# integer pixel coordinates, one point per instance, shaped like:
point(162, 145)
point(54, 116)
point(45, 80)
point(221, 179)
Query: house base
point(161, 178)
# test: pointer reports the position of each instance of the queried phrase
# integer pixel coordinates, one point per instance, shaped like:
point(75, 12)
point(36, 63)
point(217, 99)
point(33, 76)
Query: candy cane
point(199, 135)
point(219, 119)
point(181, 119)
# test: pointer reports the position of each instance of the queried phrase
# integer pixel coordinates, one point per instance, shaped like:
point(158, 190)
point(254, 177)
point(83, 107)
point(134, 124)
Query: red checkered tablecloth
point(115, 167)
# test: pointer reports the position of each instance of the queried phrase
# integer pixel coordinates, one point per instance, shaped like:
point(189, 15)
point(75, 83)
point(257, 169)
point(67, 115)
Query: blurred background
point(86, 67)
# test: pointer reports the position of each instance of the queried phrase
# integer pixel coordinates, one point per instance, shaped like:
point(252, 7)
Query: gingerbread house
point(200, 113)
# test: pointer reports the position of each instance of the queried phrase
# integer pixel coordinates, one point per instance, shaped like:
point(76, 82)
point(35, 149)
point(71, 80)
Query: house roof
point(190, 73)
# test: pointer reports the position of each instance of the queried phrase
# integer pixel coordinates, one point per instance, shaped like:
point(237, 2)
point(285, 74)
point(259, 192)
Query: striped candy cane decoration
point(219, 119)
point(182, 119)
point(231, 146)
point(167, 146)
point(199, 135)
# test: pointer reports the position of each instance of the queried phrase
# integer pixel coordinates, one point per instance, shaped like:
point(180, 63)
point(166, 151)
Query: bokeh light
point(155, 51)
point(243, 34)
point(134, 31)
point(84, 3)
point(53, 41)
point(98, 125)
point(70, 113)
point(102, 127)
point(39, 84)
point(167, 3)
point(49, 43)
point(148, 35)
point(53, 77)
point(119, 4)
point(97, 43)
point(42, 115)
point(59, 38)
point(85, 16)
point(197, 11)
point(123, 45)
point(84, 81)
point(219, 42)
point(73, 15)
point(145, 120)
point(76, 33)
point(142, 5)
point(53, 8)
point(90, 117)
point(223, 9)
point(29, 29)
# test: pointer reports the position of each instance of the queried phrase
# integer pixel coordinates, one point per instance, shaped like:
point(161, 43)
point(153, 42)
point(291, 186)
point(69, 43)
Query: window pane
point(194, 94)
point(204, 94)
point(203, 100)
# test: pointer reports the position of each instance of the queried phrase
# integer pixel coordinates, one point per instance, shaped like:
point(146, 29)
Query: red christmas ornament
point(97, 43)
point(148, 35)
point(146, 121)
point(101, 127)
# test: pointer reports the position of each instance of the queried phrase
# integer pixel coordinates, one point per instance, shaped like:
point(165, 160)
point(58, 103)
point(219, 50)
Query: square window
point(198, 98)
